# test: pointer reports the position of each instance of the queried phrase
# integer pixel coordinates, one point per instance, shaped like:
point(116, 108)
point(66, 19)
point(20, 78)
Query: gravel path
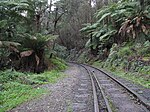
point(63, 95)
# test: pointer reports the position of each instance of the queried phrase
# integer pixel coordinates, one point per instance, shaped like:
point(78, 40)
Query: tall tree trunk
point(93, 51)
point(57, 18)
point(142, 4)
point(38, 23)
point(50, 9)
point(99, 4)
point(90, 18)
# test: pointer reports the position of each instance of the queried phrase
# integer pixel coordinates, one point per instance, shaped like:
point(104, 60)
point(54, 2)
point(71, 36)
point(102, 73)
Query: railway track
point(106, 88)
point(100, 101)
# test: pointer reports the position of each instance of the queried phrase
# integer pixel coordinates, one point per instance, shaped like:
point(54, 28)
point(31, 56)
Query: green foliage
point(29, 78)
point(7, 44)
point(117, 23)
point(144, 49)
point(15, 93)
point(130, 61)
point(17, 87)
point(21, 24)
point(125, 51)
point(89, 28)
point(37, 41)
point(137, 78)
point(11, 18)
point(37, 44)
point(100, 36)
point(134, 77)
point(53, 76)
point(145, 70)
point(38, 79)
point(98, 64)
point(4, 52)
point(108, 34)
point(61, 51)
point(46, 77)
point(129, 55)
point(9, 75)
point(59, 63)
point(83, 57)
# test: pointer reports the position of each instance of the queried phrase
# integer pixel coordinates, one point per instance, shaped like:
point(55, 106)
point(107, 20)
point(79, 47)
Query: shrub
point(59, 64)
point(125, 51)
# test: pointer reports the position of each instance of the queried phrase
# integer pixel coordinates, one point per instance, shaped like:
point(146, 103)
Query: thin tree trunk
point(37, 22)
point(57, 18)
point(50, 7)
point(91, 39)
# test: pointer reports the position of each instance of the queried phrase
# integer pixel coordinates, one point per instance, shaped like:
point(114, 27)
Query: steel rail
point(140, 98)
point(105, 99)
point(96, 106)
point(96, 103)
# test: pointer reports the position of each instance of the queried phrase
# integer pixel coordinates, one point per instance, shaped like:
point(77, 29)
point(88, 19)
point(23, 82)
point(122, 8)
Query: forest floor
point(66, 94)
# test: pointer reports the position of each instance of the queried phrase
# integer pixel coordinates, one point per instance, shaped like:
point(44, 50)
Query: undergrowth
point(137, 78)
point(17, 87)
point(130, 61)
point(59, 64)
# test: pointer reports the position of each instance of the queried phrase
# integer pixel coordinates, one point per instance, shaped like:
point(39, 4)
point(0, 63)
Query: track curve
point(142, 104)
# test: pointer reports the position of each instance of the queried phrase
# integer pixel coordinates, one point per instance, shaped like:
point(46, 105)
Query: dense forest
point(110, 34)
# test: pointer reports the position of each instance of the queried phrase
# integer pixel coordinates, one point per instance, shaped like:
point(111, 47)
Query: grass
point(59, 64)
point(112, 106)
point(16, 93)
point(46, 77)
point(69, 108)
point(134, 77)
point(17, 87)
